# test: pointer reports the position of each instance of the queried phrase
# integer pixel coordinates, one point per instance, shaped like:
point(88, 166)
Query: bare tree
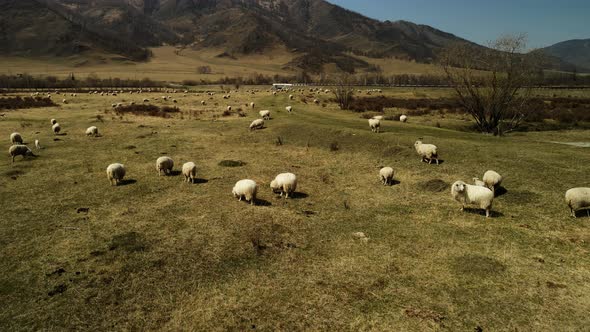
point(343, 92)
point(492, 84)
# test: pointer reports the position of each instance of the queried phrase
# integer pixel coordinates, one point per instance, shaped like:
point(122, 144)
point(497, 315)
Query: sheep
point(92, 131)
point(378, 117)
point(115, 173)
point(38, 145)
point(427, 151)
point(20, 150)
point(257, 124)
point(65, 101)
point(375, 125)
point(164, 164)
point(577, 199)
point(53, 121)
point(189, 170)
point(469, 194)
point(316, 101)
point(145, 100)
point(16, 138)
point(386, 176)
point(403, 118)
point(478, 182)
point(229, 108)
point(291, 97)
point(289, 109)
point(284, 183)
point(246, 189)
point(492, 180)
point(252, 104)
point(56, 128)
point(265, 114)
point(203, 102)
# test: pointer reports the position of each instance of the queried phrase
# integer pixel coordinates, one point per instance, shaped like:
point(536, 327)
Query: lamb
point(427, 151)
point(257, 124)
point(246, 189)
point(403, 118)
point(20, 150)
point(189, 170)
point(284, 183)
point(16, 138)
point(92, 131)
point(492, 180)
point(577, 199)
point(469, 194)
point(164, 164)
point(56, 128)
point(53, 121)
point(265, 114)
point(38, 145)
point(289, 109)
point(386, 175)
point(375, 125)
point(115, 173)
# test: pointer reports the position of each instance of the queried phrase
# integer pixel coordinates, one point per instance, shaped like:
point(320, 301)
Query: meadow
point(159, 254)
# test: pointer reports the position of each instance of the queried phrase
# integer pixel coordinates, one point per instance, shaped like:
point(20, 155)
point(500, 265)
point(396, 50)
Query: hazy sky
point(545, 21)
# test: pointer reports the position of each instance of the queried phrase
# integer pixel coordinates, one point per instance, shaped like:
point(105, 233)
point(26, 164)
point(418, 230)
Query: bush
point(27, 102)
point(147, 110)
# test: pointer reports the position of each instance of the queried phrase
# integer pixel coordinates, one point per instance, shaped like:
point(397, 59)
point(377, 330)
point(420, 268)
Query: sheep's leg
point(437, 161)
point(462, 207)
point(573, 212)
point(487, 213)
point(286, 195)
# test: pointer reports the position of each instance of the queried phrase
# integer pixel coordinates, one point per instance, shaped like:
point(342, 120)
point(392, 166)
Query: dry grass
point(160, 254)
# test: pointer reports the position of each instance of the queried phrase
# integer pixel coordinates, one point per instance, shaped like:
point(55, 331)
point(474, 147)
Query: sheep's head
point(274, 185)
point(459, 186)
point(417, 143)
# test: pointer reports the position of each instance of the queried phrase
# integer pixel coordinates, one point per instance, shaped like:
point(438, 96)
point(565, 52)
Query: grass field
point(167, 64)
point(161, 254)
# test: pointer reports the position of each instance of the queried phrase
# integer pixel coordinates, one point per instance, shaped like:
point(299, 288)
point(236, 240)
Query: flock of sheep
point(481, 193)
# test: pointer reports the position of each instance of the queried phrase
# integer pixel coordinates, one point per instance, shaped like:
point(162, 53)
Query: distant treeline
point(25, 81)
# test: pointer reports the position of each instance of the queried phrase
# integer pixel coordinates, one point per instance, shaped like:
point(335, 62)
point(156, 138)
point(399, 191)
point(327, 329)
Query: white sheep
point(189, 170)
point(145, 100)
point(20, 150)
point(478, 182)
point(468, 194)
point(115, 173)
point(203, 102)
point(257, 124)
point(246, 189)
point(492, 180)
point(16, 138)
point(375, 125)
point(403, 118)
point(56, 128)
point(265, 114)
point(164, 164)
point(289, 109)
point(252, 104)
point(316, 101)
point(229, 108)
point(65, 101)
point(427, 151)
point(53, 121)
point(291, 97)
point(284, 183)
point(92, 131)
point(386, 176)
point(38, 145)
point(577, 199)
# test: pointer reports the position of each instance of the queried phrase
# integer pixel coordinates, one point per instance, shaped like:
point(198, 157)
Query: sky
point(545, 22)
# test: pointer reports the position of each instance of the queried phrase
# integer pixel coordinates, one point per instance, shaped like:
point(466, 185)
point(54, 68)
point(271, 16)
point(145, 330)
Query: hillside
point(316, 32)
point(575, 52)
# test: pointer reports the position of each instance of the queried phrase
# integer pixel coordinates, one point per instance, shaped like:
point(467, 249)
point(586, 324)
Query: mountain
point(316, 31)
point(575, 52)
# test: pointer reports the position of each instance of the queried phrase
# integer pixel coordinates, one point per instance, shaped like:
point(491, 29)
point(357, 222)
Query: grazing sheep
point(316, 101)
point(164, 164)
point(257, 124)
point(289, 109)
point(203, 102)
point(38, 145)
point(189, 170)
point(65, 101)
point(386, 176)
point(577, 199)
point(291, 97)
point(492, 180)
point(378, 117)
point(403, 118)
point(252, 104)
point(145, 100)
point(56, 128)
point(246, 189)
point(478, 182)
point(174, 101)
point(20, 150)
point(284, 183)
point(468, 194)
point(265, 114)
point(53, 121)
point(115, 173)
point(92, 131)
point(427, 151)
point(16, 138)
point(229, 108)
point(375, 125)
